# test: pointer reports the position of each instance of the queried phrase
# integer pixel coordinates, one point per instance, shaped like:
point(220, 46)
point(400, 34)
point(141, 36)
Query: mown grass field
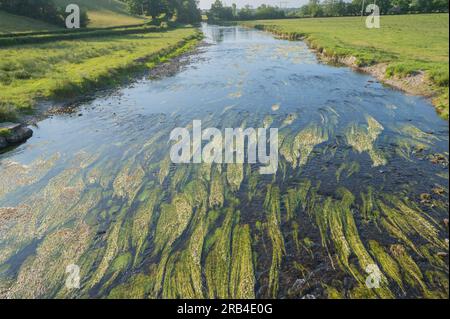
point(10, 23)
point(67, 68)
point(407, 44)
point(104, 13)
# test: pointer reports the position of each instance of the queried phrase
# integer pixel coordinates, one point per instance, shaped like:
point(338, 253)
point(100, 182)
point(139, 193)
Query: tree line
point(220, 12)
point(184, 11)
point(43, 10)
point(334, 8)
point(324, 8)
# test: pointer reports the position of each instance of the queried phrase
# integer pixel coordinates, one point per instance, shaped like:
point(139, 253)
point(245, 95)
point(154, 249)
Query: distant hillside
point(104, 13)
point(12, 23)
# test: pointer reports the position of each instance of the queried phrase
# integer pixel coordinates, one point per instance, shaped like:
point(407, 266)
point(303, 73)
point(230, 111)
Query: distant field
point(10, 23)
point(104, 13)
point(68, 68)
point(407, 43)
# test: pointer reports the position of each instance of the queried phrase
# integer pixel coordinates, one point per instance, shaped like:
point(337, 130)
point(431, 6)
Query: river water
point(92, 206)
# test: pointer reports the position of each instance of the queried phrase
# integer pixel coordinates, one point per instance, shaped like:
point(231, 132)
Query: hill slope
point(12, 23)
point(104, 13)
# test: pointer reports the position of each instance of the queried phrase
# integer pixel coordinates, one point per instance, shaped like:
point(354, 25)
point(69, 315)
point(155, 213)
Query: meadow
point(104, 13)
point(10, 23)
point(65, 69)
point(407, 44)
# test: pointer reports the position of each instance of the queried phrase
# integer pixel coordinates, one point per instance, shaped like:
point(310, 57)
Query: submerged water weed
point(218, 259)
point(139, 226)
point(296, 150)
point(272, 207)
point(362, 139)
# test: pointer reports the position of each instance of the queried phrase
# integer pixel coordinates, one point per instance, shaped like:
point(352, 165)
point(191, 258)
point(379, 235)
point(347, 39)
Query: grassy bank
point(7, 40)
point(67, 68)
point(404, 45)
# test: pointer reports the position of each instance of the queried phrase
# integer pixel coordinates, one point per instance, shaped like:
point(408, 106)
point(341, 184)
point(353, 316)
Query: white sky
point(206, 4)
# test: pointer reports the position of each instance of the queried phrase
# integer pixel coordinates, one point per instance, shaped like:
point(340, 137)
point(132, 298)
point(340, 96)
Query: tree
point(219, 12)
point(246, 13)
point(401, 6)
point(185, 11)
point(188, 12)
point(154, 8)
point(268, 12)
point(135, 6)
point(315, 9)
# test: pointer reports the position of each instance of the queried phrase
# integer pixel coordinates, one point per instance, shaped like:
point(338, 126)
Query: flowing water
point(356, 209)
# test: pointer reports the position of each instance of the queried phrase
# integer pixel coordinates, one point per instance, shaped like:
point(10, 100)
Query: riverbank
point(67, 69)
point(408, 52)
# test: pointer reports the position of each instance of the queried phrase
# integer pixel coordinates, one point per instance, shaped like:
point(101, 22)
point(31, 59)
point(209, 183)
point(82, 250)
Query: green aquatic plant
point(403, 219)
point(109, 254)
point(350, 169)
point(135, 287)
point(417, 134)
point(362, 139)
point(127, 182)
point(164, 169)
point(216, 191)
point(388, 264)
point(218, 259)
point(412, 273)
point(142, 221)
point(290, 118)
point(335, 217)
point(252, 183)
point(235, 176)
point(268, 120)
point(183, 274)
point(333, 293)
point(298, 149)
point(172, 221)
point(43, 272)
point(368, 208)
point(291, 201)
point(242, 277)
point(273, 223)
point(408, 148)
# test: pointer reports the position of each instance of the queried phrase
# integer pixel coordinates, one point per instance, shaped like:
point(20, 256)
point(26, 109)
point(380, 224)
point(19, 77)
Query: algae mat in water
point(361, 187)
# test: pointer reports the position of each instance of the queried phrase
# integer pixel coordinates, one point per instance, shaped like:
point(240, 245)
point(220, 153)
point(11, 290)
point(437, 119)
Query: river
point(92, 205)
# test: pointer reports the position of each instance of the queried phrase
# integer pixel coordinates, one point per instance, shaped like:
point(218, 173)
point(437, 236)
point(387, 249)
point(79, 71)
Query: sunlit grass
point(67, 68)
point(10, 23)
point(104, 13)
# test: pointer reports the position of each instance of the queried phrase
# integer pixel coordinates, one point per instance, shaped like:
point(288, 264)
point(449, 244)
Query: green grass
point(4, 132)
point(104, 13)
point(68, 68)
point(408, 44)
point(10, 23)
